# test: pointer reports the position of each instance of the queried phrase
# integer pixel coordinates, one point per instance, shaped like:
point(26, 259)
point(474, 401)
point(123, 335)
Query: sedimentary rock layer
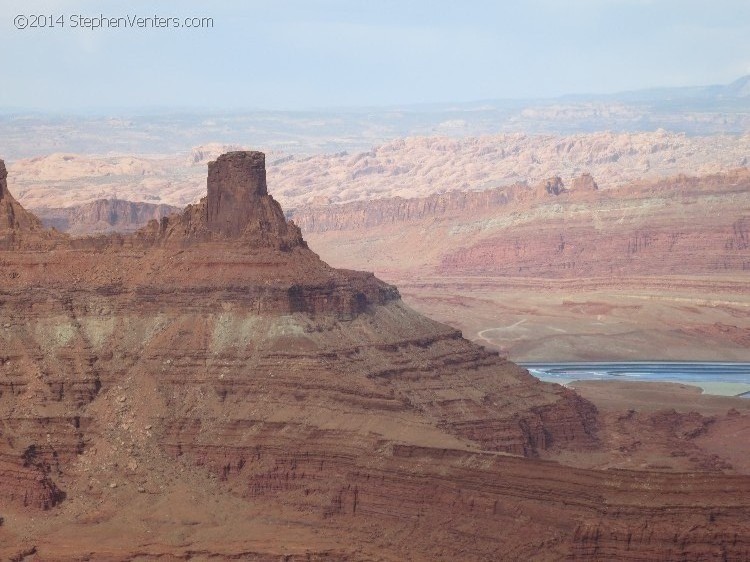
point(651, 269)
point(103, 215)
point(208, 387)
point(684, 225)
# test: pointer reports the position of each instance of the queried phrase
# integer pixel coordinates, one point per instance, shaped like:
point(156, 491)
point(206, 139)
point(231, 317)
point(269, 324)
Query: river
point(732, 379)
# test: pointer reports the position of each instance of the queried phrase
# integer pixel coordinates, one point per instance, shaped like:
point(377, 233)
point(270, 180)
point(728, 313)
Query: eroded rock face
point(237, 207)
point(553, 186)
point(236, 252)
point(216, 346)
point(103, 216)
point(236, 182)
point(16, 224)
point(585, 182)
point(683, 225)
point(3, 179)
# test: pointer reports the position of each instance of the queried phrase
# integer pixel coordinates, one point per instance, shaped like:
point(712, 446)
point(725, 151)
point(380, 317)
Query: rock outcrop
point(237, 206)
point(552, 186)
point(584, 182)
point(15, 221)
point(236, 183)
point(414, 167)
point(103, 216)
point(362, 215)
point(208, 387)
point(661, 228)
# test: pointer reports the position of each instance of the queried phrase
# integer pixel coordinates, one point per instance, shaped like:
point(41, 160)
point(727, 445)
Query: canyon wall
point(103, 215)
point(208, 387)
point(564, 270)
point(683, 225)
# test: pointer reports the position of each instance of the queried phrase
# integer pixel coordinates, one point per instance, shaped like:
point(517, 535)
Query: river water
point(704, 374)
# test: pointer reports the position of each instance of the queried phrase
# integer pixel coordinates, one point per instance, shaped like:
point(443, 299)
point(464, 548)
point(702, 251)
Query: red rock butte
point(234, 177)
point(237, 206)
point(208, 387)
point(236, 183)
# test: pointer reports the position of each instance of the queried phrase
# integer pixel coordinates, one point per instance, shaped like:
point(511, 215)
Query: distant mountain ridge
point(699, 110)
point(738, 89)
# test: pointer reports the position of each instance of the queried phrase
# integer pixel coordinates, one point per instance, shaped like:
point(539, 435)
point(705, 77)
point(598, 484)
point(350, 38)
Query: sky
point(303, 54)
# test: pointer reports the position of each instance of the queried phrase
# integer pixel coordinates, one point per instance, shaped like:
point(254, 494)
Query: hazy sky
point(321, 53)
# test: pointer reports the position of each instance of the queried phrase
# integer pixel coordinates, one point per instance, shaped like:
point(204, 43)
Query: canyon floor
point(529, 320)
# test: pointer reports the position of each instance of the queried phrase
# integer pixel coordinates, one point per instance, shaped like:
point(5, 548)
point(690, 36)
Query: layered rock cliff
point(362, 215)
point(651, 269)
point(208, 387)
point(678, 226)
point(685, 226)
point(16, 224)
point(103, 216)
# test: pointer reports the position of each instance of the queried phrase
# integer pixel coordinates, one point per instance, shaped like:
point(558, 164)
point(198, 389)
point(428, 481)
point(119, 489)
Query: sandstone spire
point(14, 219)
point(237, 206)
point(236, 184)
point(3, 179)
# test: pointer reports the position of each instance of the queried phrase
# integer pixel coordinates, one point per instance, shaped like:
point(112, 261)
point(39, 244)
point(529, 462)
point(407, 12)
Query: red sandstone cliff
point(369, 214)
point(683, 225)
point(102, 216)
point(208, 387)
point(16, 224)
